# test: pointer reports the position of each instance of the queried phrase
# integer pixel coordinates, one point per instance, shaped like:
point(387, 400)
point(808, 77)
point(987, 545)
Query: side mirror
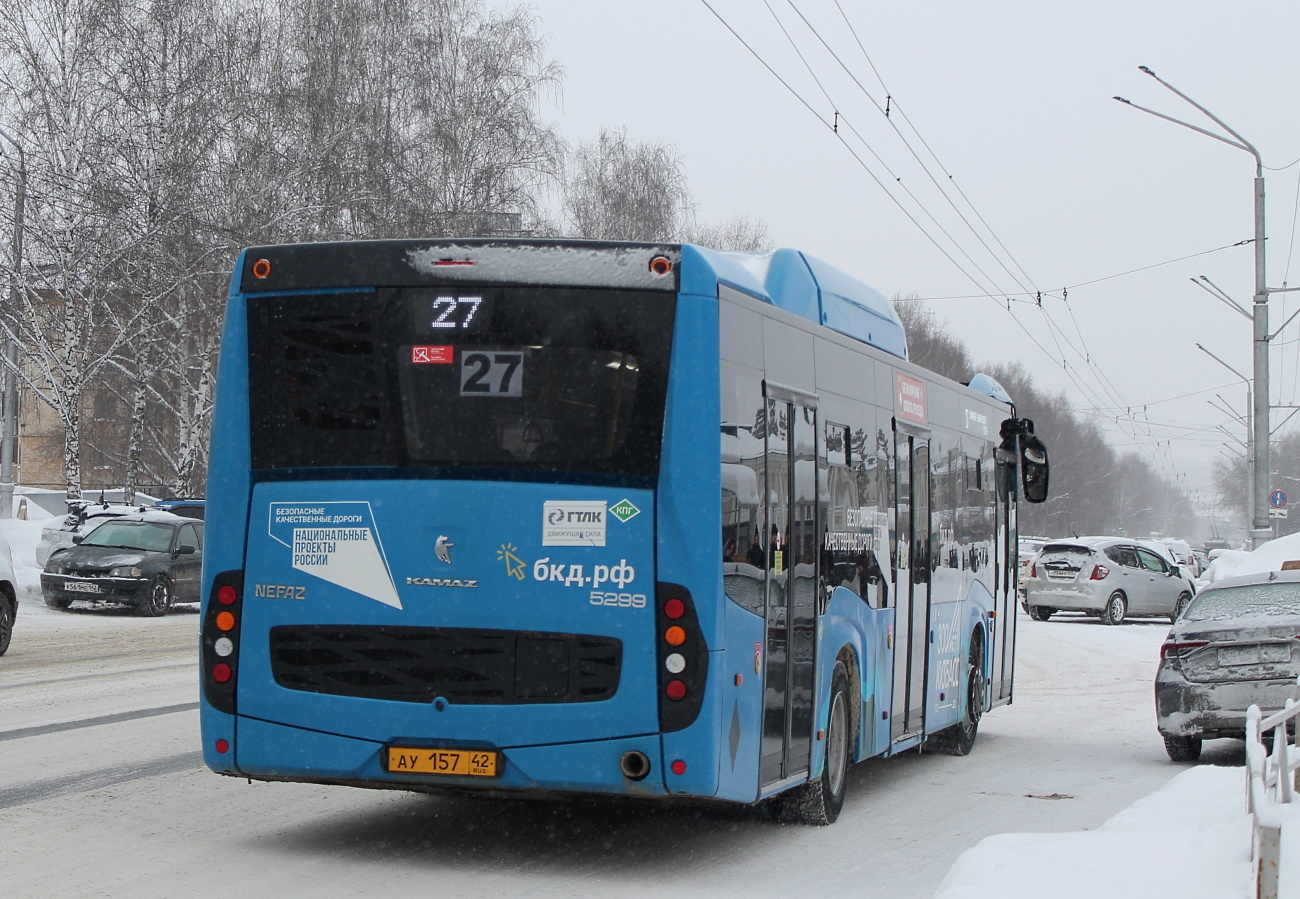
point(1175, 571)
point(77, 538)
point(1034, 468)
point(185, 550)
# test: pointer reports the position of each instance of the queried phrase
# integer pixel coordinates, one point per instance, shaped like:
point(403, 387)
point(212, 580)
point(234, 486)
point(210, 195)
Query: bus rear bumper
point(267, 751)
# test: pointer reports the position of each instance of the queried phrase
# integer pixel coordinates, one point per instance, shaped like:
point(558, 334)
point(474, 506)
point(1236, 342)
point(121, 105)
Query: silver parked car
point(1235, 646)
point(1111, 577)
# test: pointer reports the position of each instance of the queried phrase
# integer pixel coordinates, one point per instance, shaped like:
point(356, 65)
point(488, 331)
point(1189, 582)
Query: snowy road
point(102, 790)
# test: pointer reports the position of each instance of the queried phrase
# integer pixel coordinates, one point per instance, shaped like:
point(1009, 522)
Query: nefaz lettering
point(574, 523)
point(440, 582)
point(279, 591)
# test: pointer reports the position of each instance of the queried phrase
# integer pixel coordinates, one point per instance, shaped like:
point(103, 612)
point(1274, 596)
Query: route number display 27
point(491, 373)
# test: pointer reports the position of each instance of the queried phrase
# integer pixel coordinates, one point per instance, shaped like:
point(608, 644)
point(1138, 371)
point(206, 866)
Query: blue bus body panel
point(689, 529)
point(364, 552)
point(807, 287)
point(227, 489)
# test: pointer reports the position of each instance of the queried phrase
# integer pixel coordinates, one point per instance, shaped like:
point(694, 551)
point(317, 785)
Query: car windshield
point(141, 535)
point(1274, 599)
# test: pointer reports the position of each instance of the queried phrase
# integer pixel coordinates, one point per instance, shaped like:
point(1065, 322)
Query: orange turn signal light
point(675, 636)
point(661, 265)
point(261, 268)
point(226, 620)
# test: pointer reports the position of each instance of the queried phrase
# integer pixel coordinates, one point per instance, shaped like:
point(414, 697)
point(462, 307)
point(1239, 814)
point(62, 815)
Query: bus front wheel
point(960, 738)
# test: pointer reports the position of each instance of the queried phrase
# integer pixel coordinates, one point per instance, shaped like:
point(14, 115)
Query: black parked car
point(1234, 646)
point(146, 559)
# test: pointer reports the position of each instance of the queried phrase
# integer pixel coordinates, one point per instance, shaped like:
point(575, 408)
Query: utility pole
point(1259, 530)
point(9, 425)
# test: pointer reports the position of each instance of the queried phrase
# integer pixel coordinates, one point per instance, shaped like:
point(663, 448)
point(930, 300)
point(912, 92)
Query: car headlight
point(125, 571)
point(53, 567)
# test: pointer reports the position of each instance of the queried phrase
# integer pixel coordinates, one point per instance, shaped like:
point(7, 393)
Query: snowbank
point(1190, 840)
point(1269, 557)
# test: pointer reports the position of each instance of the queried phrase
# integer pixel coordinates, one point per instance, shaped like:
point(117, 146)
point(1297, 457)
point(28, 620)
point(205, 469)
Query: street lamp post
point(1250, 441)
point(9, 425)
point(1259, 531)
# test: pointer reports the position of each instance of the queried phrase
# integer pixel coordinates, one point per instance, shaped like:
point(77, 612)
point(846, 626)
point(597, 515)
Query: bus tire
point(819, 802)
point(959, 739)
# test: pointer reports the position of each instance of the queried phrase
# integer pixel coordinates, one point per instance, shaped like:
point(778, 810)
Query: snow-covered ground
point(1189, 839)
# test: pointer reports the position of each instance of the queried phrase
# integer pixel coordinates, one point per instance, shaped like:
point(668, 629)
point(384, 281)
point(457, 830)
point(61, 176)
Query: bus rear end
point(432, 543)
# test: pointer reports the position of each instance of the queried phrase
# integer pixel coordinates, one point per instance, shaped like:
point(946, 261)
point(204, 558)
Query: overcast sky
point(1015, 101)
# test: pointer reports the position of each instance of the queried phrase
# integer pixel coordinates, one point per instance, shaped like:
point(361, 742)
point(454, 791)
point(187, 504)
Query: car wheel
point(1115, 610)
point(820, 802)
point(960, 738)
point(1040, 613)
point(1183, 599)
point(160, 598)
point(6, 624)
point(56, 603)
point(1183, 749)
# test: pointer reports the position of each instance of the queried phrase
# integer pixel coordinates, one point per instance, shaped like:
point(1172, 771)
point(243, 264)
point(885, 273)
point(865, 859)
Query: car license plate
point(1254, 655)
point(1060, 575)
point(80, 587)
point(458, 762)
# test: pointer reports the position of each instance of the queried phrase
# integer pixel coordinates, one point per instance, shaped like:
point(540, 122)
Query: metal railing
point(1271, 780)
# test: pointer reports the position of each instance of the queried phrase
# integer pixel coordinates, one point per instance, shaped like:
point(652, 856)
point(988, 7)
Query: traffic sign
point(1277, 499)
point(1277, 513)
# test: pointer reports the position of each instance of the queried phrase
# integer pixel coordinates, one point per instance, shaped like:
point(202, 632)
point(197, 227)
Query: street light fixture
point(1259, 525)
point(9, 425)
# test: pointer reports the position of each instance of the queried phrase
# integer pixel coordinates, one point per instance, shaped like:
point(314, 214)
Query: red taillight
point(679, 767)
point(221, 672)
point(223, 747)
point(674, 608)
point(1033, 569)
point(1099, 573)
point(227, 595)
point(675, 690)
point(1177, 648)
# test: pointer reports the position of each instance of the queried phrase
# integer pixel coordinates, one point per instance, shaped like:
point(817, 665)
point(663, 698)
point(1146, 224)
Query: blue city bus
point(573, 517)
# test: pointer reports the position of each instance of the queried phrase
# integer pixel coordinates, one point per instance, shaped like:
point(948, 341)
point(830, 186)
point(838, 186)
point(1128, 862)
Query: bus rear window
point(463, 377)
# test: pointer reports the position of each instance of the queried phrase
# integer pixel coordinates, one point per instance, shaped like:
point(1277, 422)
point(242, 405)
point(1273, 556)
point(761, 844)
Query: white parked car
point(82, 518)
point(8, 596)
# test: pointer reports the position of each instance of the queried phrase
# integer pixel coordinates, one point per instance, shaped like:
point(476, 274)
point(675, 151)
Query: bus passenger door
point(1002, 627)
point(911, 585)
point(792, 578)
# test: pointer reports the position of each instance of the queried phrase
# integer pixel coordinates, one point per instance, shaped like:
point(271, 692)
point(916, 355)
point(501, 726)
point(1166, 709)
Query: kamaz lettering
point(440, 582)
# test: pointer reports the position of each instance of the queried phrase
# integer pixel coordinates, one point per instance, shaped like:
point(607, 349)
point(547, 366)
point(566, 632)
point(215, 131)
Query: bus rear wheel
point(819, 802)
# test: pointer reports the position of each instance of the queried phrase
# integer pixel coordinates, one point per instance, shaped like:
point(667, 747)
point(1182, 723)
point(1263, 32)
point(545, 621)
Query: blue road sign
point(1277, 499)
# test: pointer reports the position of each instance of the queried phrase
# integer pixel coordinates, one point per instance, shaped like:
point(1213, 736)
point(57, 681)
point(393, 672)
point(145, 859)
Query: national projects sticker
point(336, 542)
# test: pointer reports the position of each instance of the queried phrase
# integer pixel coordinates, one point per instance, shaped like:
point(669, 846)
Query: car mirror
point(1174, 571)
point(77, 538)
point(185, 549)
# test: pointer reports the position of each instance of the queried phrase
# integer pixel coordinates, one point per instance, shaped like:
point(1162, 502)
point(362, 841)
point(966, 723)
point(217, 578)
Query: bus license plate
point(459, 762)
